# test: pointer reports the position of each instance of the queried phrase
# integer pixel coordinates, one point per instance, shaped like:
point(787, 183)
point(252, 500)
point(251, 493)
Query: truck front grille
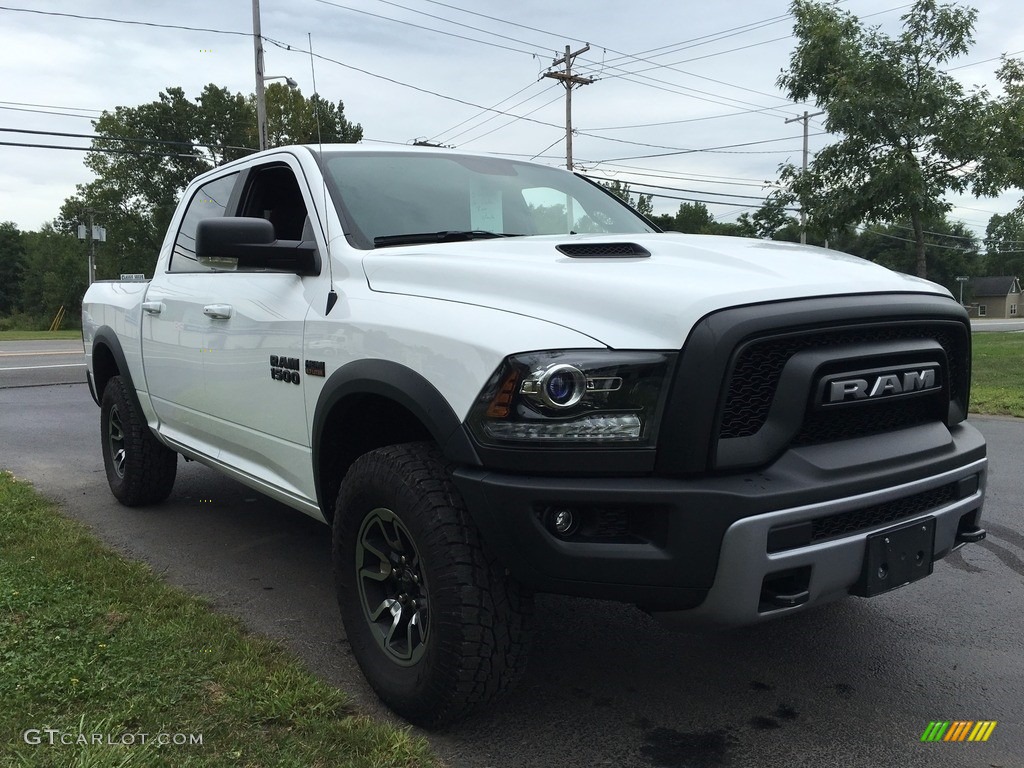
point(759, 364)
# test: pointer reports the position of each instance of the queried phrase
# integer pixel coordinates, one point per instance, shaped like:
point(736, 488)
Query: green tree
point(55, 274)
point(1004, 244)
point(292, 119)
point(772, 221)
point(138, 184)
point(692, 218)
point(1004, 167)
point(908, 131)
point(952, 249)
point(642, 204)
point(695, 219)
point(12, 265)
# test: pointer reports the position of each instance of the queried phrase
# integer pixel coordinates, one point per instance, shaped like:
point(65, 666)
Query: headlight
point(573, 398)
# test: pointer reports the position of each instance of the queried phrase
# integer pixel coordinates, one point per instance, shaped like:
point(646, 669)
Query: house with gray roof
point(996, 297)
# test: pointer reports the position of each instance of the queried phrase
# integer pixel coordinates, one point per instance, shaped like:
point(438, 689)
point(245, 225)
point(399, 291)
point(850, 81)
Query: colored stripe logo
point(958, 730)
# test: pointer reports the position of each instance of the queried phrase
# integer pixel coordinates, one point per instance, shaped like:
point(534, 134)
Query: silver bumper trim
point(835, 565)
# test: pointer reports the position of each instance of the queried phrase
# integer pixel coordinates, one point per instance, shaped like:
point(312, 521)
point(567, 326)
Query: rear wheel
point(434, 623)
point(140, 469)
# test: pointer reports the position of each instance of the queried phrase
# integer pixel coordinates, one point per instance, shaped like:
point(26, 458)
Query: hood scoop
point(603, 250)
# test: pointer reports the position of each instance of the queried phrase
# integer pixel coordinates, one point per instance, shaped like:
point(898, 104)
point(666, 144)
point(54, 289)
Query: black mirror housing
point(252, 243)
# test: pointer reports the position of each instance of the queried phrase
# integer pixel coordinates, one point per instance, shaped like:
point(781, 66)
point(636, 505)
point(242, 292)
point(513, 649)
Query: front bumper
point(737, 548)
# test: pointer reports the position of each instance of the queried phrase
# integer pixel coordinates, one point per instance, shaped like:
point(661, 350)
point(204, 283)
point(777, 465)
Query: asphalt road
point(997, 326)
point(854, 684)
point(34, 363)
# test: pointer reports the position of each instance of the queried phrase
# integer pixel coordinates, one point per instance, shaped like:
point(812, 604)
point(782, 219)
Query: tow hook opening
point(968, 531)
point(785, 589)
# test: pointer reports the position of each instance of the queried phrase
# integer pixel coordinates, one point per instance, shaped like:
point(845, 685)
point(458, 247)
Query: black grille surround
point(726, 411)
point(759, 364)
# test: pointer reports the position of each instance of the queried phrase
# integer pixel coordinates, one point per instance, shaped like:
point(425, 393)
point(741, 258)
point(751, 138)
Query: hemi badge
point(316, 368)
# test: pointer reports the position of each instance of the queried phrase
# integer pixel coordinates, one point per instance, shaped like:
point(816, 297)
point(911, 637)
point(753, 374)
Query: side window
point(273, 194)
point(982, 310)
point(208, 202)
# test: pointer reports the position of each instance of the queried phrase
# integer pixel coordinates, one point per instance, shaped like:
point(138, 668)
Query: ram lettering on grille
point(886, 385)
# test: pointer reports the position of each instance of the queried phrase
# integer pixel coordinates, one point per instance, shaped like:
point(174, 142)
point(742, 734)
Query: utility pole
point(261, 99)
point(803, 213)
point(569, 80)
point(91, 233)
point(92, 251)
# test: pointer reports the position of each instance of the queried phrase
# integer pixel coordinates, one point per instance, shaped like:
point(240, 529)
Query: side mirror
point(249, 243)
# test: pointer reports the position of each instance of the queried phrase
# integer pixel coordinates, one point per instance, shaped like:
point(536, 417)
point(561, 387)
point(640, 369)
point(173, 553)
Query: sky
point(683, 100)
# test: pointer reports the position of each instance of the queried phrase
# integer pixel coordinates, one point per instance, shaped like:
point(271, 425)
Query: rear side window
point(209, 202)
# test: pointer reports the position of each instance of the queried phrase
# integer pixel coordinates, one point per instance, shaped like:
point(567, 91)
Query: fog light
point(562, 521)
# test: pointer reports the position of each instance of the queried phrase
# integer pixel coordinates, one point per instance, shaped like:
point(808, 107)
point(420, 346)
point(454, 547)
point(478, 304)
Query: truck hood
point(637, 302)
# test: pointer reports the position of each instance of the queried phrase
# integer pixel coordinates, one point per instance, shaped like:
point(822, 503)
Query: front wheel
point(140, 469)
point(434, 623)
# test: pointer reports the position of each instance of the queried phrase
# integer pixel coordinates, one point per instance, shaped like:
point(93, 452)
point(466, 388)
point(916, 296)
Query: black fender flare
point(107, 336)
point(405, 387)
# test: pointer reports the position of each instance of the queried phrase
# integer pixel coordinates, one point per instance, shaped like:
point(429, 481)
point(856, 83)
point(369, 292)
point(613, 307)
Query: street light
point(287, 80)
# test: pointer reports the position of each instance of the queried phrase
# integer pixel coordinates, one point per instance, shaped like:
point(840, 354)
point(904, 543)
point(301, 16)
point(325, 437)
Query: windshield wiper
point(445, 236)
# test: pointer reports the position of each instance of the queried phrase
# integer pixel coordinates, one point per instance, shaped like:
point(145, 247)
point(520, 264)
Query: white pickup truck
point(492, 378)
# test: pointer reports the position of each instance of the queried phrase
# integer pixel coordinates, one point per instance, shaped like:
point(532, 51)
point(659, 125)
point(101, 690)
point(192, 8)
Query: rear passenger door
point(174, 328)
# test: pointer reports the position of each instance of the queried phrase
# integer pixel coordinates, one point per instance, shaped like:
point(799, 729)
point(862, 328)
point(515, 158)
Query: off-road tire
point(140, 469)
point(463, 625)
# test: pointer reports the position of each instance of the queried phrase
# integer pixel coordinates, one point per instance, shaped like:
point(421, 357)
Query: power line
point(742, 29)
point(45, 112)
point(647, 185)
point(279, 44)
point(100, 137)
point(549, 146)
point(393, 81)
point(504, 21)
point(431, 29)
point(126, 21)
point(983, 61)
point(930, 245)
point(698, 177)
point(496, 116)
point(436, 136)
point(680, 122)
point(721, 148)
point(465, 26)
point(505, 125)
point(50, 106)
point(98, 149)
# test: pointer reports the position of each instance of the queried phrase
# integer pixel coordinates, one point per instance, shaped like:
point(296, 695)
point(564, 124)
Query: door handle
point(218, 311)
point(152, 307)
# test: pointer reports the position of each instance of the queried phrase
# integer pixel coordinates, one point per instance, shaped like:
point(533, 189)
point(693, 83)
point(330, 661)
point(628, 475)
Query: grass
point(91, 643)
point(37, 335)
point(996, 374)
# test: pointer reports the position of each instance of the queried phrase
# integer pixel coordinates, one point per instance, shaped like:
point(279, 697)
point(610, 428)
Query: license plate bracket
point(896, 557)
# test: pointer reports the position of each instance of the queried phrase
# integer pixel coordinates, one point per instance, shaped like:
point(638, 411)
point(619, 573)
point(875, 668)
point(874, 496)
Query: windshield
point(392, 198)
